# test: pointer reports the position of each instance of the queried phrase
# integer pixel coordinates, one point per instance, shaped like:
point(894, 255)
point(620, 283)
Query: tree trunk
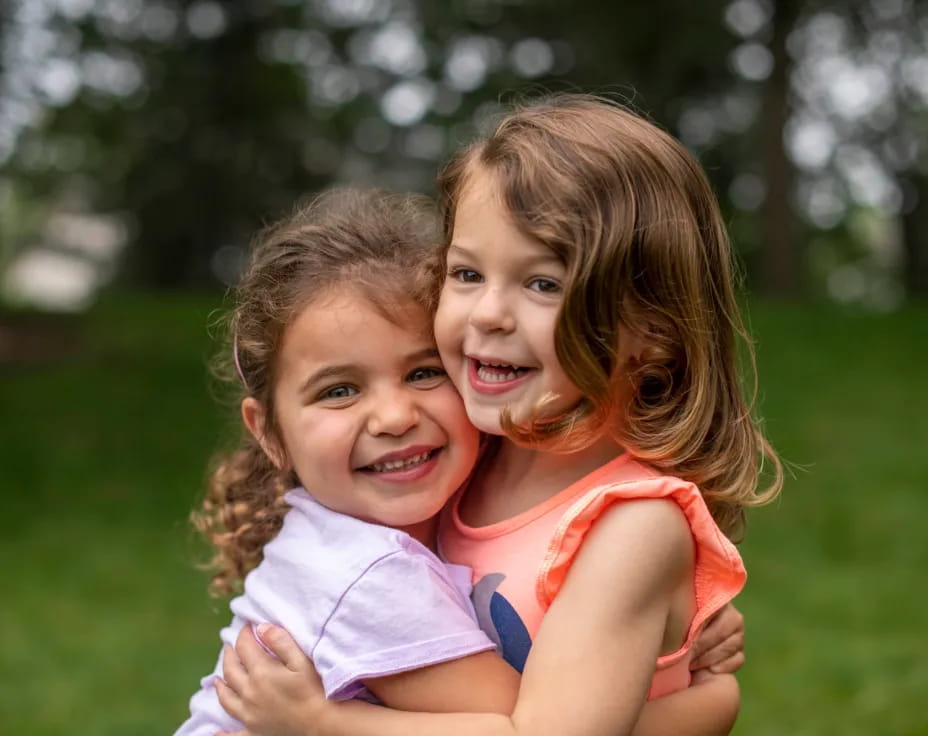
point(779, 258)
point(915, 238)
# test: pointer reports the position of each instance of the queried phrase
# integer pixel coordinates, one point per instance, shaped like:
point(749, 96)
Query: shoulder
point(633, 506)
point(411, 574)
point(636, 550)
point(656, 527)
point(628, 571)
point(318, 554)
point(309, 528)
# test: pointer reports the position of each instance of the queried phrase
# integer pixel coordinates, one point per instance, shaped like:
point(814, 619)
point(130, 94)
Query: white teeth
point(495, 376)
point(393, 465)
point(491, 373)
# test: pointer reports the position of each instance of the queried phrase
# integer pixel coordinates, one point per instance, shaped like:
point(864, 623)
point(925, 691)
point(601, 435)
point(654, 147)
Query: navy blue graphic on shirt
point(500, 622)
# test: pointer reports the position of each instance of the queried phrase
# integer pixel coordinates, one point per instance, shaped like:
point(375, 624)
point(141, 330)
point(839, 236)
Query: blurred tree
point(915, 232)
point(860, 90)
point(893, 36)
point(175, 124)
point(197, 119)
point(780, 261)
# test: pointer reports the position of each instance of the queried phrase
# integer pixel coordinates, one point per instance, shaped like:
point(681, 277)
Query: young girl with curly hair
point(588, 318)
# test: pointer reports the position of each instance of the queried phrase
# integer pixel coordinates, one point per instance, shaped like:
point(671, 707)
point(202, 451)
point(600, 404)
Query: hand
point(272, 697)
point(720, 646)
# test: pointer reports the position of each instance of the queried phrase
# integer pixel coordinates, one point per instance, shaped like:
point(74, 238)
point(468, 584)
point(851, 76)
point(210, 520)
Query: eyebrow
point(333, 371)
point(460, 248)
point(548, 257)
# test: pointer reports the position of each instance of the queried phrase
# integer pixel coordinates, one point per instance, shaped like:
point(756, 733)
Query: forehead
point(481, 185)
point(343, 324)
point(484, 224)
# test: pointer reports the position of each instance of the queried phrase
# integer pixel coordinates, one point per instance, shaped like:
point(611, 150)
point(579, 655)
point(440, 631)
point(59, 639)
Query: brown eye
point(342, 391)
point(465, 275)
point(425, 374)
point(544, 286)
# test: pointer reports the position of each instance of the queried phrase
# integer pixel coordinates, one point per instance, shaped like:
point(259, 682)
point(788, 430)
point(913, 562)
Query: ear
point(255, 417)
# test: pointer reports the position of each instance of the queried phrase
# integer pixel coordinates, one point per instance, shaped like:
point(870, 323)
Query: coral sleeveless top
point(520, 563)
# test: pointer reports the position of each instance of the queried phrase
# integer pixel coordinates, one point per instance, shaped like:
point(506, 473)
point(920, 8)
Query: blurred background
point(142, 142)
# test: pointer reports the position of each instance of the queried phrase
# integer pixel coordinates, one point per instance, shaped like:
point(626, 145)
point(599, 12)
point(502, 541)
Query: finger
point(233, 672)
point(249, 650)
point(720, 652)
point(725, 623)
point(229, 700)
point(286, 649)
point(729, 666)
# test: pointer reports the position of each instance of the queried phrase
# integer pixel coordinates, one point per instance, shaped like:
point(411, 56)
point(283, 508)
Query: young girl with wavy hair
point(588, 318)
point(354, 440)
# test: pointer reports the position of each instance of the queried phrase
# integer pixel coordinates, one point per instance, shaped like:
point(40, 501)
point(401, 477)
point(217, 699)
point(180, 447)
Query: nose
point(492, 313)
point(392, 412)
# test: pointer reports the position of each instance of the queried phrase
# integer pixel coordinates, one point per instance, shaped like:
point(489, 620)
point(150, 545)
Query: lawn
point(107, 626)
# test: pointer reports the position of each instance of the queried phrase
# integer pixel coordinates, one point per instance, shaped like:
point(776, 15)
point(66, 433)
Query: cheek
point(540, 331)
point(322, 443)
point(449, 409)
point(558, 379)
point(447, 323)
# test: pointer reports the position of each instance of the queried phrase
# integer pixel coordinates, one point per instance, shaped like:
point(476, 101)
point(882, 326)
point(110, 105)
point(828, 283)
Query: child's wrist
point(328, 716)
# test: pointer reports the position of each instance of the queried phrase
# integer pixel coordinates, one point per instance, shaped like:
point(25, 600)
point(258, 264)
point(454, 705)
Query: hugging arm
point(580, 656)
point(284, 696)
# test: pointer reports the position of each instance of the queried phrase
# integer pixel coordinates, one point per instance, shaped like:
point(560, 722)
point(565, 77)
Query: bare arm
point(708, 707)
point(284, 696)
point(476, 684)
point(580, 655)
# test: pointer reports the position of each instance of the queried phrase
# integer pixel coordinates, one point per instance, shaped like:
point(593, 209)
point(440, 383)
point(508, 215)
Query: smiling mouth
point(397, 466)
point(499, 372)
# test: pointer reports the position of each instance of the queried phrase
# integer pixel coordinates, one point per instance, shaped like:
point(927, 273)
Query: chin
point(487, 421)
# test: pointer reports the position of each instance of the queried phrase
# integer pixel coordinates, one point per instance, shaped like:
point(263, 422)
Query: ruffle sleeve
point(719, 574)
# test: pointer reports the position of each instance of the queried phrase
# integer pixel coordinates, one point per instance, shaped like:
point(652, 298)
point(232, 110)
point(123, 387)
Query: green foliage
point(106, 624)
point(103, 456)
point(835, 602)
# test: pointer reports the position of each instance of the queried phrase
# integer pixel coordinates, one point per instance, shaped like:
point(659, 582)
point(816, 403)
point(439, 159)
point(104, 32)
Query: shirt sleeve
point(206, 713)
point(402, 613)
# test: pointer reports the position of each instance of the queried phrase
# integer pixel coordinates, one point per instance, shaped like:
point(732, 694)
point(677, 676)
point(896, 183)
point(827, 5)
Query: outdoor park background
point(142, 142)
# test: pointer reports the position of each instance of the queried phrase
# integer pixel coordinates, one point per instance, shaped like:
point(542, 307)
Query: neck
point(423, 531)
point(516, 478)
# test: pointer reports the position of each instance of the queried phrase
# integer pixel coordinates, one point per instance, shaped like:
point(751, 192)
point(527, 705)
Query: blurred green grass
point(106, 626)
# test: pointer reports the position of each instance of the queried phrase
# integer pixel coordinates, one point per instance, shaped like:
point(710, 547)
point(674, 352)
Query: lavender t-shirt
point(361, 599)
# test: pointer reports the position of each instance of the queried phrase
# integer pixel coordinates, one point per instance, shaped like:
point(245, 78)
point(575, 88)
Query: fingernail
point(262, 629)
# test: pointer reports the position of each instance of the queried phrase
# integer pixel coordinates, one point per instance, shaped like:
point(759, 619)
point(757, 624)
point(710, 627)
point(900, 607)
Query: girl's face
point(497, 312)
point(366, 414)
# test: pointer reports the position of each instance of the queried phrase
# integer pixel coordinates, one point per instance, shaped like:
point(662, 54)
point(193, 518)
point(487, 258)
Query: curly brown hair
point(386, 247)
point(632, 216)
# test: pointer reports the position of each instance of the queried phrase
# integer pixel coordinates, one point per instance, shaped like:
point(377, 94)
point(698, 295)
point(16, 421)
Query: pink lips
point(492, 387)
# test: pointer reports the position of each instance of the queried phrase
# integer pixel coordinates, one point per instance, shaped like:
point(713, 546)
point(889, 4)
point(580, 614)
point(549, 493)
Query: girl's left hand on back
point(272, 697)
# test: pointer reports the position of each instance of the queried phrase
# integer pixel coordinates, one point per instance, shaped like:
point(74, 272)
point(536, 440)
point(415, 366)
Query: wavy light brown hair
point(632, 216)
point(386, 248)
